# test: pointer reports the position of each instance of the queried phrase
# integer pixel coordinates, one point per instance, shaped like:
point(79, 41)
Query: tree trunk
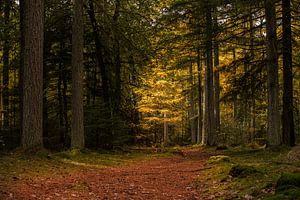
point(21, 62)
point(6, 52)
point(200, 111)
point(117, 58)
point(235, 110)
point(288, 131)
point(45, 101)
point(77, 127)
point(60, 98)
point(32, 126)
point(192, 106)
point(209, 83)
point(165, 129)
point(253, 103)
point(217, 86)
point(273, 129)
point(65, 104)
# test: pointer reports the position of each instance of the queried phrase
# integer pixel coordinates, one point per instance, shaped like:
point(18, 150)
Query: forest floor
point(176, 173)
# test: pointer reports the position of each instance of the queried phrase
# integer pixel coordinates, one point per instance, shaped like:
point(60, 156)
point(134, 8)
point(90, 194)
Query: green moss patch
point(218, 159)
point(242, 171)
point(288, 180)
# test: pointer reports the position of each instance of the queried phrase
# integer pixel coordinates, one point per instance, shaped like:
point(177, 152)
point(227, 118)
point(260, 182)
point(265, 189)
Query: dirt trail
point(163, 178)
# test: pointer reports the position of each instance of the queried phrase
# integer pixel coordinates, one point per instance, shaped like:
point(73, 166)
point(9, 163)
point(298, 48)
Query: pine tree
point(273, 132)
point(77, 129)
point(32, 113)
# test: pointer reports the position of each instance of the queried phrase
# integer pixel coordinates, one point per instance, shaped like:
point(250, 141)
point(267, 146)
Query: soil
point(157, 179)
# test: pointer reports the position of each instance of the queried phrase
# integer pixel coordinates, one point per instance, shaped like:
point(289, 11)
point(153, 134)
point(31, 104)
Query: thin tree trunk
point(209, 102)
point(235, 110)
point(77, 128)
point(217, 86)
point(288, 130)
point(45, 101)
point(21, 62)
point(65, 104)
point(117, 59)
point(253, 103)
point(192, 106)
point(6, 52)
point(273, 129)
point(60, 98)
point(200, 112)
point(32, 126)
point(165, 129)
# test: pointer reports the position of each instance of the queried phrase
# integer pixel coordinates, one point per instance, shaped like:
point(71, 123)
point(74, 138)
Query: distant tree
point(77, 127)
point(32, 125)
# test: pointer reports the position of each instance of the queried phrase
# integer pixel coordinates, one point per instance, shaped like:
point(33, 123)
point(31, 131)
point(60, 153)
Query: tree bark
point(253, 100)
point(77, 127)
point(192, 112)
point(165, 129)
point(288, 131)
point(60, 98)
point(217, 86)
point(210, 127)
point(273, 129)
point(21, 62)
point(32, 126)
point(6, 52)
point(117, 58)
point(235, 110)
point(65, 104)
point(200, 111)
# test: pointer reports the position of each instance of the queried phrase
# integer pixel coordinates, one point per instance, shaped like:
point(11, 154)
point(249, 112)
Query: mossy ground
point(263, 168)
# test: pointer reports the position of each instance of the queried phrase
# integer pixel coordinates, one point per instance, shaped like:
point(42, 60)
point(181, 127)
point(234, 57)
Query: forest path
point(168, 178)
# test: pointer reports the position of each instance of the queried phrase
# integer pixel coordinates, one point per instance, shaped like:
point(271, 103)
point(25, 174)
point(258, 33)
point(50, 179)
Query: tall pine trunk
point(273, 129)
point(77, 128)
point(192, 112)
point(252, 80)
point(117, 59)
point(200, 111)
point(32, 123)
point(6, 52)
point(210, 127)
point(288, 131)
point(217, 86)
